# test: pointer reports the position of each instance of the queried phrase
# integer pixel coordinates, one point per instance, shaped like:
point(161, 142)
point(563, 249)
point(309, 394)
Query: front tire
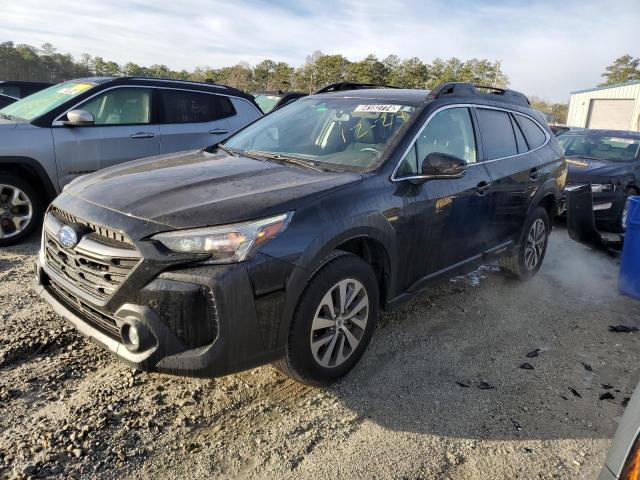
point(525, 261)
point(333, 322)
point(21, 210)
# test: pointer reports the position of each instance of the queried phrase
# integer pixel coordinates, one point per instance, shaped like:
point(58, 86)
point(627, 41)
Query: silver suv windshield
point(347, 132)
point(33, 106)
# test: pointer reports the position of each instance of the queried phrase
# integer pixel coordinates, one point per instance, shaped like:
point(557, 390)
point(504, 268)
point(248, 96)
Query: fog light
point(133, 336)
point(602, 206)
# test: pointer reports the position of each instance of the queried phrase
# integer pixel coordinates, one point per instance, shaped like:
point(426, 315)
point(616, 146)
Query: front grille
point(101, 231)
point(98, 265)
point(99, 320)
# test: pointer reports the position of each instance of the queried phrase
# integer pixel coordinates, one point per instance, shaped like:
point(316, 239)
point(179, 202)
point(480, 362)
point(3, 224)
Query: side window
point(409, 164)
point(532, 132)
point(498, 139)
point(223, 106)
point(179, 106)
point(449, 131)
point(121, 106)
point(520, 141)
point(11, 91)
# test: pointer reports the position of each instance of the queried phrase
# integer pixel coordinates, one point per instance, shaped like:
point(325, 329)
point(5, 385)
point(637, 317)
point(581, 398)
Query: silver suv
point(80, 126)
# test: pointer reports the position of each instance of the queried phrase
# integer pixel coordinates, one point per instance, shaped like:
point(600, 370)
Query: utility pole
point(495, 77)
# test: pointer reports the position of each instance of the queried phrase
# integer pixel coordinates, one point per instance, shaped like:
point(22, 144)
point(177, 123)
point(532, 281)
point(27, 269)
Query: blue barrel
point(629, 280)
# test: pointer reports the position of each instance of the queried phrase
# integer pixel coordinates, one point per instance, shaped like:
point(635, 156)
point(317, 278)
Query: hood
point(197, 188)
point(586, 170)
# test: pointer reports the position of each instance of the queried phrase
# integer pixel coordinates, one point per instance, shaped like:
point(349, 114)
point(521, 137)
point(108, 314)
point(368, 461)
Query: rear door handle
point(218, 131)
point(482, 187)
point(143, 135)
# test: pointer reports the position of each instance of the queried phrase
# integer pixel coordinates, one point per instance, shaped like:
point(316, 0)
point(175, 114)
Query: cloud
point(547, 48)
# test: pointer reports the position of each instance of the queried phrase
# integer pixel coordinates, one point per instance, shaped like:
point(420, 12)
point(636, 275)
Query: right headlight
point(226, 243)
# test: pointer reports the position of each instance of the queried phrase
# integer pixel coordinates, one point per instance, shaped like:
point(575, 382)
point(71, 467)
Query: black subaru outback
point(282, 244)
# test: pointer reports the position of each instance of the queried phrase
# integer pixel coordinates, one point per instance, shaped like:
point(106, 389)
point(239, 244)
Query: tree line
point(26, 62)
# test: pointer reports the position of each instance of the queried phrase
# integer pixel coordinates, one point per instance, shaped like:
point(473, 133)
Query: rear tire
point(333, 322)
point(526, 259)
point(21, 210)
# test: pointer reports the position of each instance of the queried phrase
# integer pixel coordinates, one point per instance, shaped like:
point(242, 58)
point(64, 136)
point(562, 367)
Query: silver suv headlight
point(226, 243)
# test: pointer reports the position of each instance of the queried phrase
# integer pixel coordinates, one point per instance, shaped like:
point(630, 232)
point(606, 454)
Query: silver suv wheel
point(535, 244)
point(339, 323)
point(16, 210)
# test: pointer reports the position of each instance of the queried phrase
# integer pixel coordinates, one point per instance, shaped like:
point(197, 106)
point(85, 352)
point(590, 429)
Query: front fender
point(372, 225)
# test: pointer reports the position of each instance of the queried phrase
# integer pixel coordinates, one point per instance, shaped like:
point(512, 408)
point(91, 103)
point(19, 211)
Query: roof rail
point(463, 89)
point(343, 86)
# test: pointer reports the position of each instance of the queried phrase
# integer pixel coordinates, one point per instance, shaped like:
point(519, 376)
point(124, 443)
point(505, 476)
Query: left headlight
point(226, 243)
point(602, 187)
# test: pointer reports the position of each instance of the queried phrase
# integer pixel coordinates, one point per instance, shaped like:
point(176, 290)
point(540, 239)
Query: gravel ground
point(440, 393)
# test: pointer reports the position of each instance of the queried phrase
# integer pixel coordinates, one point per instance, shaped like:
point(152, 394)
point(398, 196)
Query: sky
point(547, 48)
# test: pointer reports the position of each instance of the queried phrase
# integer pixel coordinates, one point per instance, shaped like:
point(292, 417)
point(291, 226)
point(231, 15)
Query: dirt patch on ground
point(442, 392)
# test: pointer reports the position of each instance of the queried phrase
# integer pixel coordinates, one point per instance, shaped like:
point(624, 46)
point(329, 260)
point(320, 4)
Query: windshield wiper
point(278, 157)
point(583, 156)
point(227, 150)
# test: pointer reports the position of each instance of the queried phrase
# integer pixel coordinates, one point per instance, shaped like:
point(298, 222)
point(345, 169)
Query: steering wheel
point(373, 149)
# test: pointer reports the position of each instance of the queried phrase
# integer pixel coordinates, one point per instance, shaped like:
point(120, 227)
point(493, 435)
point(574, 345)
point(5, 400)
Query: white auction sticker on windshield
point(378, 108)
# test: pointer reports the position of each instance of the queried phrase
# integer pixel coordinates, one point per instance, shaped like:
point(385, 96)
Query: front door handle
point(218, 131)
point(482, 187)
point(143, 135)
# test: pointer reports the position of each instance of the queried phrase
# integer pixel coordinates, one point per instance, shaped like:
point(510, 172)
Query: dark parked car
point(559, 129)
point(20, 89)
point(609, 160)
point(272, 100)
point(6, 100)
point(283, 243)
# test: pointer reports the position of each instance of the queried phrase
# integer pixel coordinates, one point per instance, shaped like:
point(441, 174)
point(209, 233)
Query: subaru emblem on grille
point(67, 237)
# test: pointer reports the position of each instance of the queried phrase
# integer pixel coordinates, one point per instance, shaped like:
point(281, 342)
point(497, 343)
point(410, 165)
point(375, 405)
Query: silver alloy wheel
point(339, 323)
point(535, 244)
point(16, 210)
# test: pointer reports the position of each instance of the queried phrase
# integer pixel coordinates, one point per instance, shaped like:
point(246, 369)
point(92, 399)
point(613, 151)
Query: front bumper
point(607, 209)
point(229, 325)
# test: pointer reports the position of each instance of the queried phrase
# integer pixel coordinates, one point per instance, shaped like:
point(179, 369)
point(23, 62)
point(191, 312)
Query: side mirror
point(442, 165)
point(79, 118)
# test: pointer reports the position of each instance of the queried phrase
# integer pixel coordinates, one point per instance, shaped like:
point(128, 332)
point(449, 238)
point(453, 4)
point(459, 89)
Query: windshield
point(41, 102)
point(348, 132)
point(267, 102)
point(600, 147)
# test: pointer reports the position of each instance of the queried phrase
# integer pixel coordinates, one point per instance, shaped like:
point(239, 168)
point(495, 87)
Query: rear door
point(191, 120)
point(510, 141)
point(123, 130)
point(449, 218)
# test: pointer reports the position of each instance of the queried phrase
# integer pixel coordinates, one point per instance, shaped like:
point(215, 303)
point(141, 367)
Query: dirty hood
point(586, 170)
point(197, 188)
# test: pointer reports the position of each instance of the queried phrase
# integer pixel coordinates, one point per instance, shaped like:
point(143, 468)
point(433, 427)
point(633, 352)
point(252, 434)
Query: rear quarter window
point(224, 106)
point(180, 106)
point(532, 132)
point(498, 139)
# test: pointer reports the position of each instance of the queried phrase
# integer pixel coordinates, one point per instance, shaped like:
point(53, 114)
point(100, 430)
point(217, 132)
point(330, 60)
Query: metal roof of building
point(625, 84)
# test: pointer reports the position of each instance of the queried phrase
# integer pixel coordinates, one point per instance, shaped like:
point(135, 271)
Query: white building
point(616, 107)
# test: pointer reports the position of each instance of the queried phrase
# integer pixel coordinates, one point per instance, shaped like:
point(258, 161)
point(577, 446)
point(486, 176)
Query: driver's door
point(123, 130)
point(449, 218)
